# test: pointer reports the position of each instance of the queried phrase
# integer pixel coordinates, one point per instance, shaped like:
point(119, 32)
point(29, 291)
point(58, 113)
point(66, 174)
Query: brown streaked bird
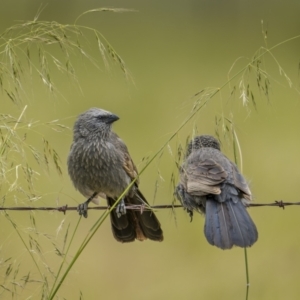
point(99, 164)
point(211, 184)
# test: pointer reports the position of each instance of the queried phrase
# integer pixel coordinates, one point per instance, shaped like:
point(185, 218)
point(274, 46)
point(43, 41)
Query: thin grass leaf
point(104, 9)
point(24, 244)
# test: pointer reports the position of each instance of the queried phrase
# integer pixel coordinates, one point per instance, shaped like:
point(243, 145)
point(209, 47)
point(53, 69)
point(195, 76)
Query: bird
point(100, 165)
point(211, 184)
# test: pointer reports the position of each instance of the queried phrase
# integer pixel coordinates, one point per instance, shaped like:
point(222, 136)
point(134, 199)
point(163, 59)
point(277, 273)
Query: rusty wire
point(141, 208)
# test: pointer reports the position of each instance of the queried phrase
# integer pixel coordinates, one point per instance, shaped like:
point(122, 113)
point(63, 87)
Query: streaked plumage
point(99, 164)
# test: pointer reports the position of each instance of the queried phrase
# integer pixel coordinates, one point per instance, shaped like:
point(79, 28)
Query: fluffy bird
point(211, 184)
point(99, 164)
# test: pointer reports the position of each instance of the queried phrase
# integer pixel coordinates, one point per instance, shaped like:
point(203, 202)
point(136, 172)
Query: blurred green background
point(173, 49)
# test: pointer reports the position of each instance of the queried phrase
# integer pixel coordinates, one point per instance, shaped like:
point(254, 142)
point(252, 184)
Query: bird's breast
point(98, 167)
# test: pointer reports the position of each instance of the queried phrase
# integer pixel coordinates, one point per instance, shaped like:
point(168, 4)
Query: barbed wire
point(64, 208)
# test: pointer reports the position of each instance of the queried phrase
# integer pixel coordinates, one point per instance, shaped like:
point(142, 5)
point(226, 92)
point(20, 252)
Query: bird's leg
point(185, 200)
point(190, 212)
point(121, 209)
point(82, 208)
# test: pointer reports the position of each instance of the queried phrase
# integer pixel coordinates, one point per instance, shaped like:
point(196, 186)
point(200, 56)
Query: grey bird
point(99, 164)
point(211, 184)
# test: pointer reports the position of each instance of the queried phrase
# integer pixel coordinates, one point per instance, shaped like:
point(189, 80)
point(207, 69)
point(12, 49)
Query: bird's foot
point(121, 209)
point(190, 212)
point(82, 209)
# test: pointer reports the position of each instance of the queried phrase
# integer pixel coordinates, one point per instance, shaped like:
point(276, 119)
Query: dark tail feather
point(134, 224)
point(147, 220)
point(123, 228)
point(228, 224)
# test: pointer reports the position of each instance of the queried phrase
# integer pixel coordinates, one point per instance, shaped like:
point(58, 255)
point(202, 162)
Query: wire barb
point(280, 204)
point(63, 208)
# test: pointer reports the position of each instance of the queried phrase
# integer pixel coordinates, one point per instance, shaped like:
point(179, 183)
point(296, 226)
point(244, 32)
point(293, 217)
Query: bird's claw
point(121, 209)
point(82, 209)
point(190, 212)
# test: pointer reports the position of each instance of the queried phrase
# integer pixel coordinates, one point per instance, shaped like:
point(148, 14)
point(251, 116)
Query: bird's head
point(202, 141)
point(94, 121)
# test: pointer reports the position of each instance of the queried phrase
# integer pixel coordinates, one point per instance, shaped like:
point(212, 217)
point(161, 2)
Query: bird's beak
point(112, 118)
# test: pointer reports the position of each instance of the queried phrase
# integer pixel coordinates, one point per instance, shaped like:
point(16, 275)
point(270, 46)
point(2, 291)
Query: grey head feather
point(94, 121)
point(202, 141)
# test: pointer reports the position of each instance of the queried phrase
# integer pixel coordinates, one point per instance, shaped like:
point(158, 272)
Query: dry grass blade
point(104, 9)
point(35, 39)
point(17, 184)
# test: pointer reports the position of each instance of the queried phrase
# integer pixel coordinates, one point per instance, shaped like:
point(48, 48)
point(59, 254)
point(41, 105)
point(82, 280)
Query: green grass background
point(173, 49)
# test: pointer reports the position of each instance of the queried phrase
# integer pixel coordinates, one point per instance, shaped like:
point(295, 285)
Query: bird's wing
point(129, 166)
point(240, 182)
point(204, 177)
point(128, 163)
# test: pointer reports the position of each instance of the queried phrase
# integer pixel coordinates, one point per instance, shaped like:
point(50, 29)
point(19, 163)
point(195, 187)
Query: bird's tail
point(123, 227)
point(228, 223)
point(140, 225)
